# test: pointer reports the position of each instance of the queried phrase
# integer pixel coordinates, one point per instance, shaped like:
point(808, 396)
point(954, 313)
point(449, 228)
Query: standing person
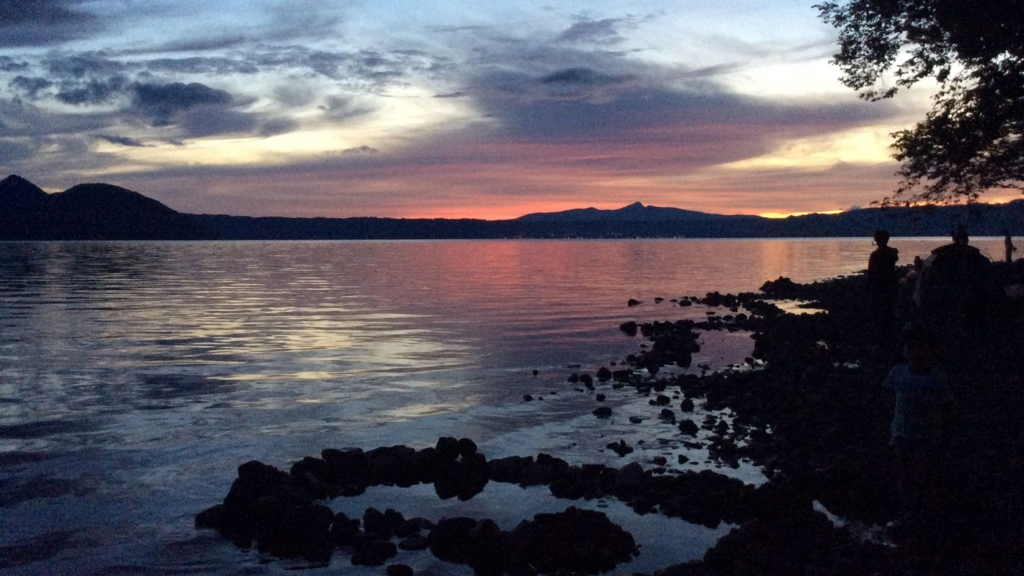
point(919, 420)
point(883, 281)
point(1010, 248)
point(952, 290)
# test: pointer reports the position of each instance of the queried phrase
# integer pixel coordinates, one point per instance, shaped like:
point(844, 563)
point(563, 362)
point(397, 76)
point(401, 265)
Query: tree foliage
point(973, 138)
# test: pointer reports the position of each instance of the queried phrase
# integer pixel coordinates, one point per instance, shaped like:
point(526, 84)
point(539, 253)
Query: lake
point(136, 376)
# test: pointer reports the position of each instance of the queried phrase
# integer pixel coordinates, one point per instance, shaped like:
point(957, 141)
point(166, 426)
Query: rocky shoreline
point(808, 408)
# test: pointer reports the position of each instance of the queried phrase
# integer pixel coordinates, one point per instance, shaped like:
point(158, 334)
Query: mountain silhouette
point(87, 212)
point(106, 212)
point(635, 212)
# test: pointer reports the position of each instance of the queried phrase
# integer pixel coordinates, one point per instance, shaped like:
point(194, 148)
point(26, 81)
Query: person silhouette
point(883, 282)
point(920, 418)
point(1010, 248)
point(952, 289)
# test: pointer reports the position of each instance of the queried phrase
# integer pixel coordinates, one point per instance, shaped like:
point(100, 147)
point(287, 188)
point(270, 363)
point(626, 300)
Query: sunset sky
point(461, 108)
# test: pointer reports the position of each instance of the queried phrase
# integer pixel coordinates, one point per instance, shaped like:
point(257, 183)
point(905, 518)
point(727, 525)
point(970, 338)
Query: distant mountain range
point(106, 212)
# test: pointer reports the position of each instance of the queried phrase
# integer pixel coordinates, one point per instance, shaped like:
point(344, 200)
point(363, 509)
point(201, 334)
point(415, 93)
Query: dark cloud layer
point(44, 22)
point(593, 31)
point(92, 91)
point(122, 141)
point(29, 86)
point(162, 102)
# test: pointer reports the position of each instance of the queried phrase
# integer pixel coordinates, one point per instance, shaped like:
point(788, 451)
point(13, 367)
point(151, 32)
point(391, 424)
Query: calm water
point(135, 377)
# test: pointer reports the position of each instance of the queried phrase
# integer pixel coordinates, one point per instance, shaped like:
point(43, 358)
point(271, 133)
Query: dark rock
point(636, 419)
point(447, 449)
point(465, 478)
point(393, 465)
point(686, 405)
point(377, 525)
point(481, 545)
point(344, 529)
point(212, 517)
point(668, 415)
point(620, 448)
point(347, 467)
point(466, 447)
point(632, 302)
point(660, 460)
point(688, 427)
point(630, 475)
point(600, 397)
point(604, 374)
point(508, 469)
point(658, 300)
point(416, 542)
point(629, 328)
point(527, 398)
point(571, 542)
point(399, 570)
point(602, 412)
point(412, 526)
point(663, 400)
point(574, 378)
point(683, 459)
point(290, 530)
point(587, 380)
point(369, 552)
point(535, 372)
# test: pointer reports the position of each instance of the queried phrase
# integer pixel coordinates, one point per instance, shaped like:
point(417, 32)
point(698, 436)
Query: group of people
point(950, 296)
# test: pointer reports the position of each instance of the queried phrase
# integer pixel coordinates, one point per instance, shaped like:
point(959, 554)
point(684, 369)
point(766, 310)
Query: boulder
point(344, 530)
point(370, 552)
point(415, 542)
point(620, 448)
point(688, 427)
point(602, 412)
point(398, 570)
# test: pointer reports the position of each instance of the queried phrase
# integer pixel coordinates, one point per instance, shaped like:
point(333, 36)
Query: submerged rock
point(620, 448)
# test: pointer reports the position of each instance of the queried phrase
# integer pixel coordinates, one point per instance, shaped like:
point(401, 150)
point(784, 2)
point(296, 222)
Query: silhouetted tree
point(973, 138)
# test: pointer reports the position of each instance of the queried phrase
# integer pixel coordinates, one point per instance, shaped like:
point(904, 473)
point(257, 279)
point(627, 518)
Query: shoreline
point(828, 416)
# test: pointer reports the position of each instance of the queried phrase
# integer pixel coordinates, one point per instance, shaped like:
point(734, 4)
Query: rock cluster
point(281, 513)
point(571, 542)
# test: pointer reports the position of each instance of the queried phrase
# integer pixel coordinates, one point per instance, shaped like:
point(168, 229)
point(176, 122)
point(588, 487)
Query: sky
point(455, 109)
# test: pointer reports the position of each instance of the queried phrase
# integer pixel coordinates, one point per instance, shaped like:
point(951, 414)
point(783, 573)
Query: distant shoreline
point(105, 212)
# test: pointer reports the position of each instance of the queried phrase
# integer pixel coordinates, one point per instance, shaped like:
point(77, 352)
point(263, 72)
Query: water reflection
point(94, 329)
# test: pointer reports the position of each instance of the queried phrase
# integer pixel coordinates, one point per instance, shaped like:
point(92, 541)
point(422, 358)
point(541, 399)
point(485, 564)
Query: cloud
point(592, 31)
point(202, 121)
point(93, 91)
point(360, 150)
point(583, 77)
point(162, 102)
point(345, 107)
point(122, 141)
point(81, 65)
point(276, 125)
point(44, 22)
point(29, 86)
point(8, 64)
point(217, 66)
